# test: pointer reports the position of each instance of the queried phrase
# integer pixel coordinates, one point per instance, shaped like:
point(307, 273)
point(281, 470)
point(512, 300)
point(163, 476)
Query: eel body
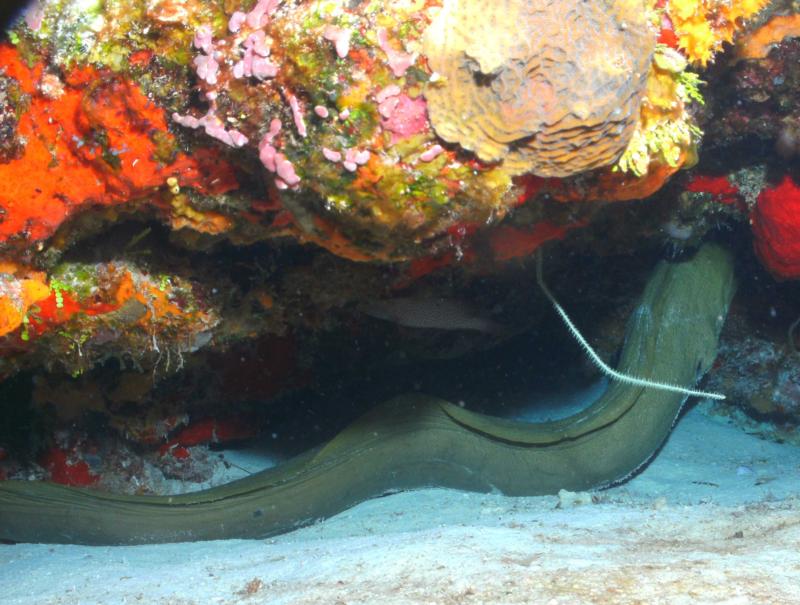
point(416, 441)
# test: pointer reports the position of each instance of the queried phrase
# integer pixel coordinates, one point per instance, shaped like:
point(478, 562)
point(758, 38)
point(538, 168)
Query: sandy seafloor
point(714, 519)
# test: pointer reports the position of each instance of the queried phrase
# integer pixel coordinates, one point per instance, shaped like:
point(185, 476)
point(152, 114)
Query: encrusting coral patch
point(701, 27)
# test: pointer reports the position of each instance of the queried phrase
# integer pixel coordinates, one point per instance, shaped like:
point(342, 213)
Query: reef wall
point(212, 197)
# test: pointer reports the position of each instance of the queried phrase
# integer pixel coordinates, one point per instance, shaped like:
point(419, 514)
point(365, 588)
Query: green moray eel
point(416, 441)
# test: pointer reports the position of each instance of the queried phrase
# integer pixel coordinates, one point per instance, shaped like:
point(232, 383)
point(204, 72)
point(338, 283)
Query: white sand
point(715, 519)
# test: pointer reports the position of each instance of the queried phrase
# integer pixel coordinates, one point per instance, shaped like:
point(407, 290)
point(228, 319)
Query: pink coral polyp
point(407, 117)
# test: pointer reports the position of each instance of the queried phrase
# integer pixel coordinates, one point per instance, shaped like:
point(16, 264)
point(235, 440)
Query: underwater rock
point(336, 112)
point(754, 100)
point(758, 43)
point(94, 139)
point(182, 177)
point(10, 96)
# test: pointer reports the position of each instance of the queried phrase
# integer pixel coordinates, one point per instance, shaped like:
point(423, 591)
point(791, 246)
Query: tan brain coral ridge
point(550, 87)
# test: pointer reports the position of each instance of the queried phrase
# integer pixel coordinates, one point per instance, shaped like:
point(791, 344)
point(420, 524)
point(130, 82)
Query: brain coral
point(551, 87)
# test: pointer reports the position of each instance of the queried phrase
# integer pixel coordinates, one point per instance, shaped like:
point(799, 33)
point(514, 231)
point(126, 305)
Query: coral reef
point(758, 43)
point(541, 91)
point(222, 188)
point(754, 120)
point(776, 228)
point(86, 312)
point(93, 139)
point(755, 98)
point(701, 28)
point(342, 108)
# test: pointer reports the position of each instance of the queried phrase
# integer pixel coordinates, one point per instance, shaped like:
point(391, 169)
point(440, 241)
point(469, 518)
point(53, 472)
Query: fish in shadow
point(433, 313)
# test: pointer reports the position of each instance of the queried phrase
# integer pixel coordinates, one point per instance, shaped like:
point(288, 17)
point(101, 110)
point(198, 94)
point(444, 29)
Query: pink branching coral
point(247, 55)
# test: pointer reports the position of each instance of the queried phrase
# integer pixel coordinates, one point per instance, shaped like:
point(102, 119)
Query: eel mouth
point(417, 440)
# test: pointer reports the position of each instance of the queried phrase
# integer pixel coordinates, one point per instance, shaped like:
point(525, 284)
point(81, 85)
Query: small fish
point(431, 313)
